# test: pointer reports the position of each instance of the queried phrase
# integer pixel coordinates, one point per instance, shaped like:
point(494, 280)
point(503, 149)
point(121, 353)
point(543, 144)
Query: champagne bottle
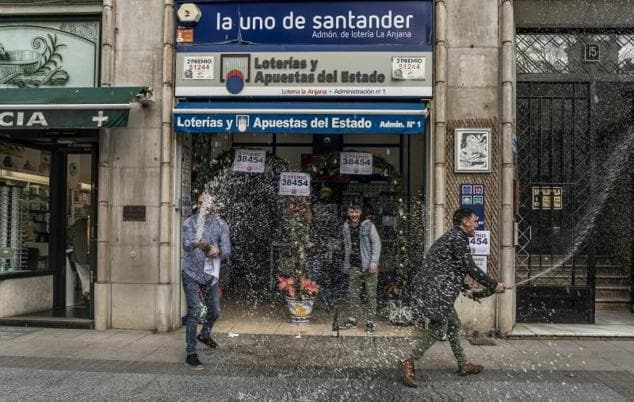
point(482, 293)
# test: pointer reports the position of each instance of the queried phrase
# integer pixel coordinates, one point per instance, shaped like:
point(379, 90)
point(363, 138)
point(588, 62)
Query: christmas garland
point(328, 165)
point(225, 161)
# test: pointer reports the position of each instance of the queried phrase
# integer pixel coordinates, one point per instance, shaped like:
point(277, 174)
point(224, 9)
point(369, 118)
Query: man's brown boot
point(408, 373)
point(469, 369)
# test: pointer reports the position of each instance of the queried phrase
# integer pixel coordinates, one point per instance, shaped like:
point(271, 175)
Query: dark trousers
point(435, 333)
point(196, 294)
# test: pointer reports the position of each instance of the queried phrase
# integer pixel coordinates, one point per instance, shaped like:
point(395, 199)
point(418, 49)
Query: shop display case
point(24, 220)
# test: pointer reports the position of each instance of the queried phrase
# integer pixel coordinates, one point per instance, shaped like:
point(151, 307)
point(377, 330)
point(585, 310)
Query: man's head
point(354, 213)
point(466, 219)
point(206, 204)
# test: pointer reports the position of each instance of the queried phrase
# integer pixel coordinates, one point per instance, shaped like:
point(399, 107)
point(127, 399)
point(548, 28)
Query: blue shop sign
point(300, 118)
point(315, 23)
point(472, 197)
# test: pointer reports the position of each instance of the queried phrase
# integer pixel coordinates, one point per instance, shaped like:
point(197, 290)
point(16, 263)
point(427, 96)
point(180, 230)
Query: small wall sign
point(547, 197)
point(134, 213)
point(592, 52)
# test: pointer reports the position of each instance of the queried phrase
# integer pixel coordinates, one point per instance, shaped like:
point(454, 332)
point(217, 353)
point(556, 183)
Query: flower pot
point(399, 313)
point(300, 310)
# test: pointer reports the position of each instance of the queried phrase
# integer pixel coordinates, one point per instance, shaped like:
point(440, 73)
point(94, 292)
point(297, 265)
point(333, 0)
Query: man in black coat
point(436, 287)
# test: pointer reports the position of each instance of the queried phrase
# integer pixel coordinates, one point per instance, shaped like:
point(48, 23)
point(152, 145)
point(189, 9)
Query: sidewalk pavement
point(44, 364)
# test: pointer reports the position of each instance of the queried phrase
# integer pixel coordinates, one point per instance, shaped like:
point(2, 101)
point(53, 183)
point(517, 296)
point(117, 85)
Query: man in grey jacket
point(436, 287)
point(206, 241)
point(362, 250)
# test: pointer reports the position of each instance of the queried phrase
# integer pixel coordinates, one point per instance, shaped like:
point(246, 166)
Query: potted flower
point(300, 292)
point(295, 283)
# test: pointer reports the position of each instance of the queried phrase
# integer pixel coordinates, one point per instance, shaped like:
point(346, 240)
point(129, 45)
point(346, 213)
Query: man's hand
point(214, 252)
point(500, 288)
point(374, 268)
point(200, 243)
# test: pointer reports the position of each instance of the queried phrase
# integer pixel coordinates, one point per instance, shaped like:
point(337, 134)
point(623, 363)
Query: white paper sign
point(198, 68)
point(249, 160)
point(481, 262)
point(355, 163)
point(294, 183)
point(408, 68)
point(481, 243)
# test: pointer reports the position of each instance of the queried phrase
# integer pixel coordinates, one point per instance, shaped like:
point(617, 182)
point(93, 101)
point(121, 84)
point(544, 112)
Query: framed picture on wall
point(472, 150)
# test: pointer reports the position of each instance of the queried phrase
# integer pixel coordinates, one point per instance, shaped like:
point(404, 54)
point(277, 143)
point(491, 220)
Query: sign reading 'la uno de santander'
point(315, 23)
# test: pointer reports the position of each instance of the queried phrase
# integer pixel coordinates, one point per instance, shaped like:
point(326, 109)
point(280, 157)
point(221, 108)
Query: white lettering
point(3, 121)
point(16, 119)
point(37, 118)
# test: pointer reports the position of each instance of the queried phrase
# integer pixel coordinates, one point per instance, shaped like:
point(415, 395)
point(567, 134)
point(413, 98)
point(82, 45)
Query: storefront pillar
point(440, 120)
point(506, 302)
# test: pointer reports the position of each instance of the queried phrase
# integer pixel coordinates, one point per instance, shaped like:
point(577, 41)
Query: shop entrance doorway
point(575, 141)
point(50, 188)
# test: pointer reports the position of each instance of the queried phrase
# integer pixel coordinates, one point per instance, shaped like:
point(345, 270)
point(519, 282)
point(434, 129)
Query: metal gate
point(555, 165)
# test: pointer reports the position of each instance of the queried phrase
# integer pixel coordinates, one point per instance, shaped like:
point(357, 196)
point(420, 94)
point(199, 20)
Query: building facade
point(496, 97)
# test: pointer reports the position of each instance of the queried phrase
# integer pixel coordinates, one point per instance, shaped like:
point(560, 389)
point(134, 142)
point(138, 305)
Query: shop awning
point(67, 108)
point(301, 117)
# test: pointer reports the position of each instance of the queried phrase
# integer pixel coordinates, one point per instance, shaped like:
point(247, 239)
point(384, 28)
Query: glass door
point(75, 211)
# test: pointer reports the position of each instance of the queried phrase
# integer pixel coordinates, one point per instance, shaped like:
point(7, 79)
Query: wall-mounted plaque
point(135, 213)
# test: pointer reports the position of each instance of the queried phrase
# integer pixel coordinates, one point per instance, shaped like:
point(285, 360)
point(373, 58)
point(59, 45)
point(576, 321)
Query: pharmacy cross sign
point(100, 118)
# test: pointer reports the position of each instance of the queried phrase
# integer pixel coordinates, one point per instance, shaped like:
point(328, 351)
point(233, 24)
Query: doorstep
point(49, 322)
point(267, 320)
point(586, 331)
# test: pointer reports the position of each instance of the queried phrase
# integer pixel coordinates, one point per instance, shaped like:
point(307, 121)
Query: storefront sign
point(480, 244)
point(472, 197)
point(306, 74)
point(43, 119)
point(547, 197)
point(308, 23)
point(298, 123)
point(248, 160)
point(294, 183)
point(49, 54)
point(355, 163)
point(480, 261)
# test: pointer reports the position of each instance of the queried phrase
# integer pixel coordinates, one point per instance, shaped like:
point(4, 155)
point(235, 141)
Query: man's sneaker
point(207, 341)
point(192, 362)
point(369, 328)
point(469, 369)
point(349, 323)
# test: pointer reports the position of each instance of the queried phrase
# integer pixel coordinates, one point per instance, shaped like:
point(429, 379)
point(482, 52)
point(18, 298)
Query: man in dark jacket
point(436, 287)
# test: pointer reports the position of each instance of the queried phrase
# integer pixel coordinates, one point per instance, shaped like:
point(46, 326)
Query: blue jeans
point(195, 293)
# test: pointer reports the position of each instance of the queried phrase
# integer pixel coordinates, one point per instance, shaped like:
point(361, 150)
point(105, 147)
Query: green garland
point(328, 165)
point(224, 161)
